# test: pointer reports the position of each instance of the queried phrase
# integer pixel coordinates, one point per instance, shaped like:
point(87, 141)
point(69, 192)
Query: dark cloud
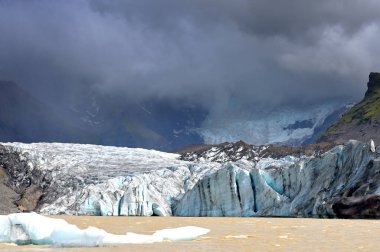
point(217, 53)
point(265, 17)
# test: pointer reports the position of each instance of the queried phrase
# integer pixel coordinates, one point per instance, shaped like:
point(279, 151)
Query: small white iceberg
point(32, 228)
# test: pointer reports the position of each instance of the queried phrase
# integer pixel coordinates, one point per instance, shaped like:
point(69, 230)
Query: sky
point(218, 54)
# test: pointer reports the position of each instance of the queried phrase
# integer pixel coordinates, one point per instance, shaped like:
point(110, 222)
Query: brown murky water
point(236, 234)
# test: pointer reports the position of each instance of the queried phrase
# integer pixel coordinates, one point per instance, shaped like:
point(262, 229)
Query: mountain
point(154, 124)
point(162, 125)
point(99, 119)
point(171, 124)
point(24, 118)
point(362, 121)
point(55, 178)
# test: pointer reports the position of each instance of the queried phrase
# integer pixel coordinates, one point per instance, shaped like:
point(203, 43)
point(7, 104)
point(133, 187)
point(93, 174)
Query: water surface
point(235, 234)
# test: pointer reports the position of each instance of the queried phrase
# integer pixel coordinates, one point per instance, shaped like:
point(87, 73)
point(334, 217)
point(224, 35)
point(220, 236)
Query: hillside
point(362, 121)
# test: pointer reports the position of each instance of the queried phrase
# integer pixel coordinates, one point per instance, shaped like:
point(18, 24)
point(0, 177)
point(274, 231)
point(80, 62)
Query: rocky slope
point(8, 197)
point(362, 121)
point(99, 180)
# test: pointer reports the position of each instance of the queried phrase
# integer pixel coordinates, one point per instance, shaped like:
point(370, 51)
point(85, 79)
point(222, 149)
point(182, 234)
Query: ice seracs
point(326, 186)
point(100, 180)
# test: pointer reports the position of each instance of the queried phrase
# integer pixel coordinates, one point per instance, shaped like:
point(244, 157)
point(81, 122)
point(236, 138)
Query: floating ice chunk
point(71, 236)
point(5, 229)
point(31, 228)
point(38, 228)
point(182, 233)
point(130, 238)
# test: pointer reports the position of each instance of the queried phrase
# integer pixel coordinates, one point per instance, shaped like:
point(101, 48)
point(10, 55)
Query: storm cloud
point(216, 53)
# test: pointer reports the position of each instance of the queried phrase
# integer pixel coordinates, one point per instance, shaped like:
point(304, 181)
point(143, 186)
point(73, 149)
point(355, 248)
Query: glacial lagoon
point(233, 234)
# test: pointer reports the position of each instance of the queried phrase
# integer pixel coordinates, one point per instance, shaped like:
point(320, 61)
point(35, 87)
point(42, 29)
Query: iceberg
point(32, 228)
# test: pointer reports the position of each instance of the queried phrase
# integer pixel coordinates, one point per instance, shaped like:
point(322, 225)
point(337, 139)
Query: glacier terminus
point(78, 179)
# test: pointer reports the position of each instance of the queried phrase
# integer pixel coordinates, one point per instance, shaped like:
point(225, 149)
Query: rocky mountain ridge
point(232, 152)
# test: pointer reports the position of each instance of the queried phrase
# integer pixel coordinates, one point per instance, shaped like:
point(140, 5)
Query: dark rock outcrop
point(358, 207)
point(21, 186)
point(8, 196)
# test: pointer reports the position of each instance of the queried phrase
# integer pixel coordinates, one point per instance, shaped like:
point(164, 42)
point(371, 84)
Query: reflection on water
point(236, 234)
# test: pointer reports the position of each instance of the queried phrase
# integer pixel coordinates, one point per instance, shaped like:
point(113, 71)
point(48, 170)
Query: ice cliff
point(99, 180)
point(308, 187)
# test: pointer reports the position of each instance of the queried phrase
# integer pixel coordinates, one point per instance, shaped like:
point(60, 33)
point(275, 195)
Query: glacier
point(236, 123)
point(31, 228)
point(80, 179)
point(100, 180)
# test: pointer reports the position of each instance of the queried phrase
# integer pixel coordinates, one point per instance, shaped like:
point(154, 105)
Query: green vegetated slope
point(362, 121)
